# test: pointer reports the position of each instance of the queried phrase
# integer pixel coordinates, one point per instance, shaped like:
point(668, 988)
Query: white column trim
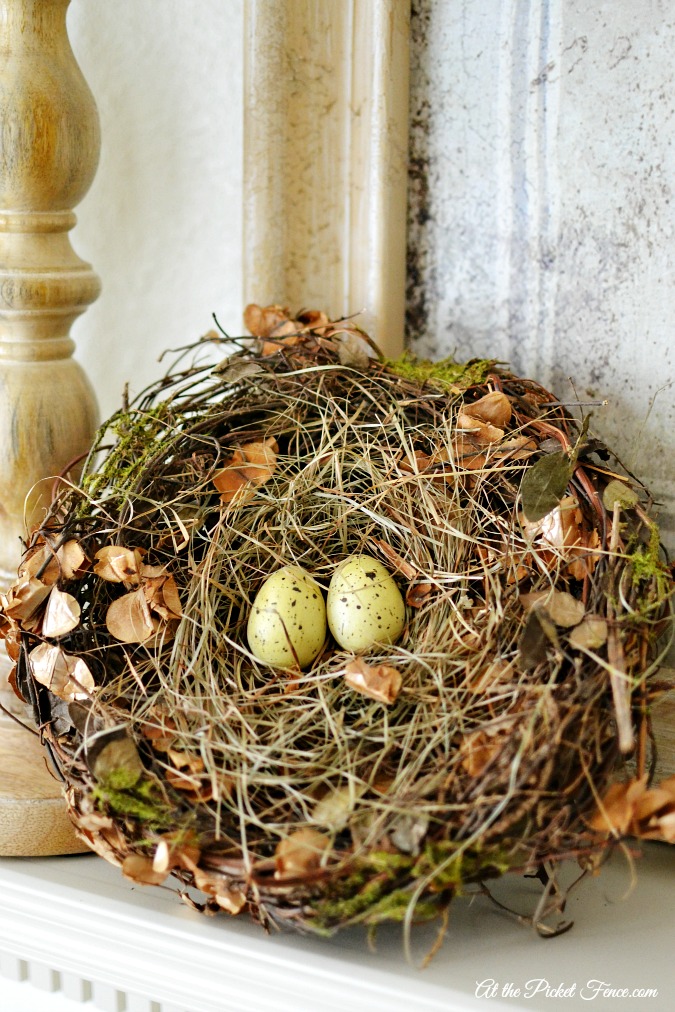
point(325, 158)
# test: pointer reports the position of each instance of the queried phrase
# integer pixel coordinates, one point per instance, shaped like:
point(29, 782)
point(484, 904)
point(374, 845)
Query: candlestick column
point(49, 148)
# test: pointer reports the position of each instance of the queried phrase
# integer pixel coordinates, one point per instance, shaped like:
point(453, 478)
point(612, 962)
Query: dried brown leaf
point(482, 432)
point(396, 561)
point(300, 853)
point(494, 408)
point(118, 564)
point(418, 594)
point(162, 596)
point(261, 321)
point(249, 466)
point(565, 610)
point(492, 678)
point(128, 618)
point(24, 599)
point(117, 763)
point(380, 682)
point(139, 869)
point(62, 614)
point(590, 634)
point(478, 749)
point(68, 562)
point(232, 901)
point(67, 676)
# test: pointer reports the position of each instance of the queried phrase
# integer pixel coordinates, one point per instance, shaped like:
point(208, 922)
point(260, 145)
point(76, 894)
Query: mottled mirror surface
point(540, 218)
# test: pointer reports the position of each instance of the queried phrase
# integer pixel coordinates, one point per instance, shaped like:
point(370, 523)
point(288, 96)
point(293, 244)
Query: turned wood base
point(33, 818)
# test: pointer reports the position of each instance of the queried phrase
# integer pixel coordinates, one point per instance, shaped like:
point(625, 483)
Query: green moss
point(646, 560)
point(650, 573)
point(136, 435)
point(141, 802)
point(380, 889)
point(446, 374)
point(120, 779)
point(448, 868)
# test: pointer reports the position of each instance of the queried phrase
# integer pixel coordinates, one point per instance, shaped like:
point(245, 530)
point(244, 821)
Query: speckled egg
point(288, 619)
point(364, 605)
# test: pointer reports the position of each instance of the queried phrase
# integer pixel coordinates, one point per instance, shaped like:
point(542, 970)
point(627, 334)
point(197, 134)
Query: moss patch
point(445, 374)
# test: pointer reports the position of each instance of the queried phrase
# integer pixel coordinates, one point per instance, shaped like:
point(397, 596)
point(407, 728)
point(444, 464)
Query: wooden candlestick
point(49, 148)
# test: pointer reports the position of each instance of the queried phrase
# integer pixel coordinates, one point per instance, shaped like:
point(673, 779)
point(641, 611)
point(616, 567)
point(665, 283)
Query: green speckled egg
point(364, 605)
point(288, 614)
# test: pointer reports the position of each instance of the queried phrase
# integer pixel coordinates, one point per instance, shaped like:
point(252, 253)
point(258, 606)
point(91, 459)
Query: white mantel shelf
point(75, 925)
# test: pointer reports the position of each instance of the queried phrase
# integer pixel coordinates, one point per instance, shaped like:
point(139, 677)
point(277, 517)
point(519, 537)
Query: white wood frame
point(75, 925)
point(325, 158)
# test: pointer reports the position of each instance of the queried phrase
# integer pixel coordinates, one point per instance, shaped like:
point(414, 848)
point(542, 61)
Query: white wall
point(162, 221)
point(542, 226)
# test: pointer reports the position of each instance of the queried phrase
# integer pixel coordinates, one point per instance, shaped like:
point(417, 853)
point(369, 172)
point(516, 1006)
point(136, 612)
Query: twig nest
point(495, 589)
point(364, 605)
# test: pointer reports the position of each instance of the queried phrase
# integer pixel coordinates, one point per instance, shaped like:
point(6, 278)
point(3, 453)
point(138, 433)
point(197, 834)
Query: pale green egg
point(364, 604)
point(287, 624)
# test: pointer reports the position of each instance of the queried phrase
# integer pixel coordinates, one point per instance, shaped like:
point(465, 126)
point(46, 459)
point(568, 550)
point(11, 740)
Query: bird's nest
point(366, 787)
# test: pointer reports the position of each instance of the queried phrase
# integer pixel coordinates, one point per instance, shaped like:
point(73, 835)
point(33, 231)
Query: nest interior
point(367, 787)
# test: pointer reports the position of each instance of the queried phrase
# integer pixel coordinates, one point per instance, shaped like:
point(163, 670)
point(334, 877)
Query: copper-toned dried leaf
point(140, 869)
point(68, 562)
point(494, 408)
point(516, 448)
point(11, 681)
point(128, 618)
point(62, 614)
point(186, 760)
point(493, 678)
point(66, 675)
point(564, 609)
point(396, 561)
point(482, 432)
point(232, 901)
point(23, 600)
point(162, 596)
point(300, 853)
point(377, 681)
point(72, 560)
point(249, 466)
point(478, 750)
point(313, 319)
point(261, 321)
point(118, 564)
point(468, 454)
point(544, 484)
point(416, 463)
point(590, 634)
point(171, 597)
point(418, 594)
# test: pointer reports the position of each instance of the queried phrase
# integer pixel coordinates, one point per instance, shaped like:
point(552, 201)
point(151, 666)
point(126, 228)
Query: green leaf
point(544, 485)
point(619, 492)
